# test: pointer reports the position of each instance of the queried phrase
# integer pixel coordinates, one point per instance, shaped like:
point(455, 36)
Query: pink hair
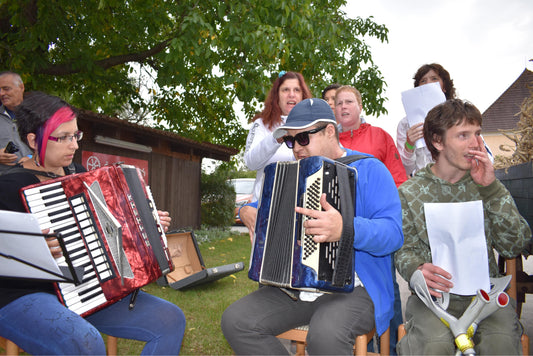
point(61, 116)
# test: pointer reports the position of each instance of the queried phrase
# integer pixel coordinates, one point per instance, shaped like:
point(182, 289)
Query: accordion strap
point(343, 269)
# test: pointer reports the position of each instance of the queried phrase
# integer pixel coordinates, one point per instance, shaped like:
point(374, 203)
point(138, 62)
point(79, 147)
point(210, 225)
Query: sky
point(484, 44)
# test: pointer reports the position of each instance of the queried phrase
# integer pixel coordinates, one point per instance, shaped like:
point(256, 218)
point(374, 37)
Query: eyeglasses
point(302, 138)
point(67, 138)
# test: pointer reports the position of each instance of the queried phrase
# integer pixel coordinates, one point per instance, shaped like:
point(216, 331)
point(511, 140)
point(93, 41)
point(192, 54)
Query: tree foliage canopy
point(204, 56)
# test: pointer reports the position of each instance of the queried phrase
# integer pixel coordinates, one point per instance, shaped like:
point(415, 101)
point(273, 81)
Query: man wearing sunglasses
point(252, 323)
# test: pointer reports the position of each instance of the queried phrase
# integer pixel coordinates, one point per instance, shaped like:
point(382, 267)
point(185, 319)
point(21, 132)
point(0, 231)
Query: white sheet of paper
point(33, 249)
point(418, 101)
point(456, 235)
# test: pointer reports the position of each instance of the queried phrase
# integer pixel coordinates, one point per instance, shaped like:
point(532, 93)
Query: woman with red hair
point(262, 148)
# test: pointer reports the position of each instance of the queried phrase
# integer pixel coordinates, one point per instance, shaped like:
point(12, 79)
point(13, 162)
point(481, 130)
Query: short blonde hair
point(350, 89)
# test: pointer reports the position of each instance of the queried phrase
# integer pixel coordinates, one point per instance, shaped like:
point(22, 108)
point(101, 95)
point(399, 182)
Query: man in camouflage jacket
point(462, 172)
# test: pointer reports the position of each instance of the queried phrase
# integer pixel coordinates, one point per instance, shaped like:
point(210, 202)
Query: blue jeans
point(39, 324)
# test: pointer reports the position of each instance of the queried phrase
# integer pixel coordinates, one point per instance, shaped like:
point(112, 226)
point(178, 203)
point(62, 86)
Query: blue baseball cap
point(305, 114)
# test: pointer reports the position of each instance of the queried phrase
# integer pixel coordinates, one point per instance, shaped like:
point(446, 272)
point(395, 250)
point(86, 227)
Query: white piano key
point(81, 308)
point(37, 192)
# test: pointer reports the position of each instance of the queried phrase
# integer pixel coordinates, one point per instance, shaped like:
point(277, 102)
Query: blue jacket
point(378, 233)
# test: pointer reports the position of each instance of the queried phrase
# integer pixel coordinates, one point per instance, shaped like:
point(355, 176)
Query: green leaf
point(202, 56)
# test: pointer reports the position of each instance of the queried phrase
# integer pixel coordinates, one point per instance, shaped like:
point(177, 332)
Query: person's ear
point(437, 142)
point(31, 138)
point(330, 130)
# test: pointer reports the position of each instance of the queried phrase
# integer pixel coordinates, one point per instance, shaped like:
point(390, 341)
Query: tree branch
point(68, 68)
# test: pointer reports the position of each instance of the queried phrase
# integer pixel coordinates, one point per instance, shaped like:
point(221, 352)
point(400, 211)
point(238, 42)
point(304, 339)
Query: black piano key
point(56, 220)
point(45, 189)
point(49, 203)
point(77, 249)
point(92, 295)
point(66, 209)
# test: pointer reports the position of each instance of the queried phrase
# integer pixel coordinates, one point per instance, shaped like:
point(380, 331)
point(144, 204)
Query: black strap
point(70, 169)
point(343, 270)
point(28, 170)
point(351, 158)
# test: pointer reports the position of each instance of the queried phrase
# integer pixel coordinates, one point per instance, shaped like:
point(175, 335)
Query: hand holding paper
point(457, 240)
point(437, 279)
point(418, 101)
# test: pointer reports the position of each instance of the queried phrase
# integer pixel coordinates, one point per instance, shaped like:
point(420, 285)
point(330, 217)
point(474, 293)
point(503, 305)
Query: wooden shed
point(171, 164)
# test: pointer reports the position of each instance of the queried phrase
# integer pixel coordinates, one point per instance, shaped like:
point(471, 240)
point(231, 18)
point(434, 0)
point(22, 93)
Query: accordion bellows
point(283, 255)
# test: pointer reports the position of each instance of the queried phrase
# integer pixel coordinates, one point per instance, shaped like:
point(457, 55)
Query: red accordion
point(108, 223)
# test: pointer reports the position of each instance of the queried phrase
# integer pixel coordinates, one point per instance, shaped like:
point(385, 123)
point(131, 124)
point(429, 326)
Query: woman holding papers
point(414, 158)
point(30, 313)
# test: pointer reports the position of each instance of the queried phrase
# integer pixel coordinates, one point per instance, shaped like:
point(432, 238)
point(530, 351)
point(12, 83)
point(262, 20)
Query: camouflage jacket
point(506, 230)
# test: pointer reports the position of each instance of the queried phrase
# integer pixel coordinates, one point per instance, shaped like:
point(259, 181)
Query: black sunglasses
point(302, 138)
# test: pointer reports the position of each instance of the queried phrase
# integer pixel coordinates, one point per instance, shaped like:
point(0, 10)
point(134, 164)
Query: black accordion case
point(189, 266)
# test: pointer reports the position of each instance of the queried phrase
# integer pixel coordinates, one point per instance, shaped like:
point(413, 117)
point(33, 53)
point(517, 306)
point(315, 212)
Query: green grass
point(203, 305)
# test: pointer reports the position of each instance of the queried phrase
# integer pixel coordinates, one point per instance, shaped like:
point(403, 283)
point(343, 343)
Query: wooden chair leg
point(298, 335)
point(13, 350)
point(111, 347)
point(384, 343)
point(510, 269)
point(300, 348)
point(401, 331)
point(361, 343)
point(9, 346)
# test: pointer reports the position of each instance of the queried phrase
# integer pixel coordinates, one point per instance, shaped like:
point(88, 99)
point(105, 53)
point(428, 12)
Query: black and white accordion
point(108, 223)
point(282, 254)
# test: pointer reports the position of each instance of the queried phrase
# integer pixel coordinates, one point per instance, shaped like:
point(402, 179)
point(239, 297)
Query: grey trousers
point(251, 324)
point(499, 334)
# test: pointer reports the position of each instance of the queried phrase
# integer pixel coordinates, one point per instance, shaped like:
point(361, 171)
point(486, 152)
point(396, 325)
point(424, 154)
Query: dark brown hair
point(328, 88)
point(443, 116)
point(449, 89)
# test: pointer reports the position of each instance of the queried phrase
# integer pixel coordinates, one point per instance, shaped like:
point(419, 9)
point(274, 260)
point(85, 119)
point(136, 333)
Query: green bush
point(218, 198)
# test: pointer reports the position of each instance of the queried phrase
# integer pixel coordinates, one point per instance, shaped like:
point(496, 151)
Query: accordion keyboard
point(72, 218)
point(319, 257)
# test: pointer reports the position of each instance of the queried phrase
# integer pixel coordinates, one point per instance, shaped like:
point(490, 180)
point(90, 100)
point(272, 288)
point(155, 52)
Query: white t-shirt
point(261, 150)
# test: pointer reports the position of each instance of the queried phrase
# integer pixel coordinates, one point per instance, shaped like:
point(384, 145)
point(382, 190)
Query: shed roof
point(204, 149)
point(502, 114)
